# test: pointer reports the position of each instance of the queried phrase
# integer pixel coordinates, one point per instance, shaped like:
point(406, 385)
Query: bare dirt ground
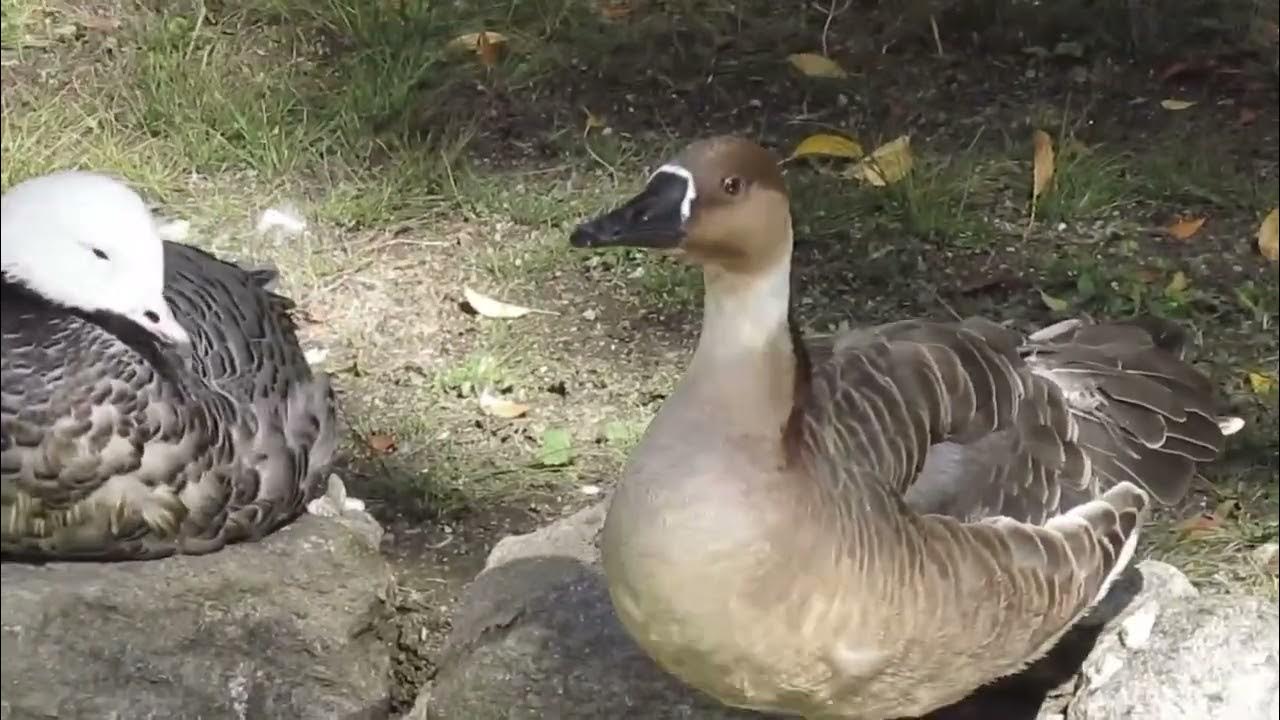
point(421, 171)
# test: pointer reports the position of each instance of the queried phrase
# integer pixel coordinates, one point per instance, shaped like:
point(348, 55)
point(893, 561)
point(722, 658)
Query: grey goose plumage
point(875, 525)
point(155, 399)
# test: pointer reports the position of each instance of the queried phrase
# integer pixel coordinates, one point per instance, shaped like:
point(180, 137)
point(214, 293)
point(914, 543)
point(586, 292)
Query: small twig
point(945, 304)
point(612, 170)
point(832, 12)
point(448, 171)
point(195, 31)
point(937, 37)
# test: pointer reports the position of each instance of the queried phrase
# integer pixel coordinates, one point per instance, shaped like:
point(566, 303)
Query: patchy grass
point(422, 171)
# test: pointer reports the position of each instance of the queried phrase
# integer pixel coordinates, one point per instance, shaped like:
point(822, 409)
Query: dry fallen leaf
point(1199, 525)
point(1261, 383)
point(614, 9)
point(1147, 275)
point(1043, 165)
point(828, 146)
point(1184, 228)
point(1177, 283)
point(487, 50)
point(887, 164)
point(485, 44)
point(490, 308)
point(815, 65)
point(501, 407)
point(1247, 116)
point(1269, 236)
point(593, 121)
point(1227, 509)
point(381, 443)
point(1172, 104)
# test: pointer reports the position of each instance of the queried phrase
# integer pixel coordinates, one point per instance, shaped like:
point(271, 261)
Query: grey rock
point(571, 537)
point(1148, 581)
point(1199, 658)
point(286, 628)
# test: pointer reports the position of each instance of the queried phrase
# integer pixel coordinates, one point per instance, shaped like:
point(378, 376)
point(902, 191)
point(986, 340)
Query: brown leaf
point(1147, 275)
point(614, 9)
point(1199, 525)
point(1175, 70)
point(1247, 116)
point(382, 443)
point(501, 407)
point(486, 45)
point(1269, 236)
point(99, 23)
point(1043, 164)
point(1185, 227)
point(486, 50)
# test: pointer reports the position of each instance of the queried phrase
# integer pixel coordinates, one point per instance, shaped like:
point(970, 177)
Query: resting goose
point(155, 399)
point(874, 528)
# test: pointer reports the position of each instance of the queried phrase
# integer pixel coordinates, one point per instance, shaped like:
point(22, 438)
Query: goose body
point(155, 398)
point(875, 526)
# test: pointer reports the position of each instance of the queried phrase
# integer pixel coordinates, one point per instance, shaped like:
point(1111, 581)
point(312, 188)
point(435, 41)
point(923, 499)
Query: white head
point(87, 241)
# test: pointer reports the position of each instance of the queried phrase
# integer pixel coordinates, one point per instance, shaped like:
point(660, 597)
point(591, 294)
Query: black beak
point(653, 219)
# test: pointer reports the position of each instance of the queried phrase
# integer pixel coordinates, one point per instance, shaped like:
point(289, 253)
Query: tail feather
point(311, 424)
point(1143, 415)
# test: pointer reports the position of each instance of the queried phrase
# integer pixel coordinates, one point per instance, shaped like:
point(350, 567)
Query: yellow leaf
point(501, 407)
point(1184, 228)
point(593, 121)
point(1261, 383)
point(828, 146)
point(815, 65)
point(1053, 303)
point(887, 164)
point(478, 42)
point(1269, 236)
point(490, 308)
point(1172, 104)
point(1177, 283)
point(1042, 167)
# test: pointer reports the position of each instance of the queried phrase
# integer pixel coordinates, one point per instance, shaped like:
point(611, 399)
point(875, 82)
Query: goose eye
point(151, 316)
point(100, 254)
point(732, 185)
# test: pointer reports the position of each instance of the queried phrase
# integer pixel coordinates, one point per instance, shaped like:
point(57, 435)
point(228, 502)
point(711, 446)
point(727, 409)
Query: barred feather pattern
point(953, 462)
point(115, 448)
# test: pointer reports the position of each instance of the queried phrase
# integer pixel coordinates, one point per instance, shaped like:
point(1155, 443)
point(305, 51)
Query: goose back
point(115, 447)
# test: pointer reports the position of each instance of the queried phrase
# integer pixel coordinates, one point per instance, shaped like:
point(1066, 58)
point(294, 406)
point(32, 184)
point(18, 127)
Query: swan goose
point(876, 527)
point(155, 398)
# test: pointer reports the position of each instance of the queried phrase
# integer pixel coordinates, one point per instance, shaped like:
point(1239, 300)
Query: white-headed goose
point(875, 528)
point(155, 400)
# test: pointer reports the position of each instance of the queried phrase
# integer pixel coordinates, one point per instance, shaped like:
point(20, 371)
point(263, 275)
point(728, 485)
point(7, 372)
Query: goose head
point(720, 203)
point(87, 241)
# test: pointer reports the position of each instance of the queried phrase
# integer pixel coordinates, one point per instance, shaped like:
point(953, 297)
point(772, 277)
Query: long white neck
point(744, 314)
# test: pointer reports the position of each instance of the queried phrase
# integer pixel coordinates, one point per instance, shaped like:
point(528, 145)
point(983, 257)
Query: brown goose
point(874, 528)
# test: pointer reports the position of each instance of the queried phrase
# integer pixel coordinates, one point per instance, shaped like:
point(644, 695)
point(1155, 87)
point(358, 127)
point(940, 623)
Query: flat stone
point(284, 628)
point(1212, 657)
